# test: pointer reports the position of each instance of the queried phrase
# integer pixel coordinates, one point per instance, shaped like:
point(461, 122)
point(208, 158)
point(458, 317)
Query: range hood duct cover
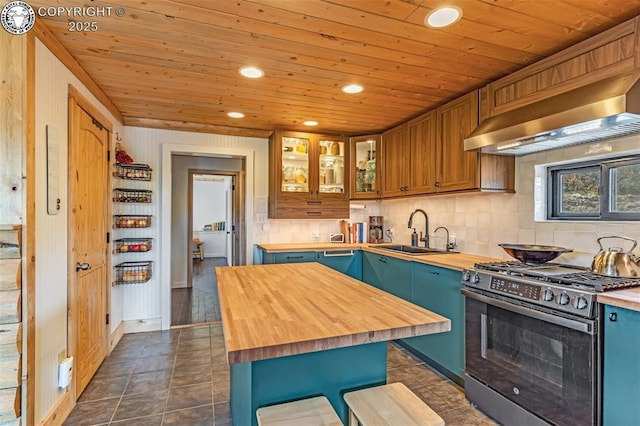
point(606, 109)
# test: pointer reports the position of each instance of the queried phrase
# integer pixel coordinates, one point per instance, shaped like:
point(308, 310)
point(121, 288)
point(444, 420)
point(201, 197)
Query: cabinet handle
point(382, 259)
point(613, 317)
point(314, 202)
point(294, 257)
point(314, 213)
point(338, 253)
point(437, 184)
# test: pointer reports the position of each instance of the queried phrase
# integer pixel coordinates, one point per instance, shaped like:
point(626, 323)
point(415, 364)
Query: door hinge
point(107, 319)
point(108, 237)
point(233, 187)
point(108, 156)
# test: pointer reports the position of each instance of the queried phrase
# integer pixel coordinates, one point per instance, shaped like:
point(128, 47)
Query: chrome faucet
point(450, 245)
point(426, 226)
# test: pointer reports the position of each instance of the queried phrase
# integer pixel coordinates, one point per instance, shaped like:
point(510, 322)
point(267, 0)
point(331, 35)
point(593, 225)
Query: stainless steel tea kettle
point(615, 262)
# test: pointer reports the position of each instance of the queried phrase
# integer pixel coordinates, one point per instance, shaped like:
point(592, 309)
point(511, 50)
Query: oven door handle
point(584, 327)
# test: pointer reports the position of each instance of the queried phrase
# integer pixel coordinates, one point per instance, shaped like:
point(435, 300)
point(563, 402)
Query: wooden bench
point(392, 404)
point(308, 412)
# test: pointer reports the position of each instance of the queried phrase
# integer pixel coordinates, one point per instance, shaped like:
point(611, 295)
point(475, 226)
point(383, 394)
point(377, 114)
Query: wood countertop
point(628, 299)
point(287, 247)
point(455, 261)
point(271, 311)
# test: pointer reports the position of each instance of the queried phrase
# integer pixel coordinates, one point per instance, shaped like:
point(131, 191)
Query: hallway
point(198, 304)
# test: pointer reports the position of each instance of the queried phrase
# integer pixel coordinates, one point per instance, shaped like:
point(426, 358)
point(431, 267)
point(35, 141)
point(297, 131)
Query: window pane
point(579, 191)
point(625, 189)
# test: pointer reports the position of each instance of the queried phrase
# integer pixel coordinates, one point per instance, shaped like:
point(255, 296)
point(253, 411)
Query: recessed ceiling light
point(251, 72)
point(310, 123)
point(352, 88)
point(235, 114)
point(443, 16)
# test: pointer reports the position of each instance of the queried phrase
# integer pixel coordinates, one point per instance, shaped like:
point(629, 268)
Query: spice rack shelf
point(131, 198)
point(131, 221)
point(132, 245)
point(123, 195)
point(133, 171)
point(133, 272)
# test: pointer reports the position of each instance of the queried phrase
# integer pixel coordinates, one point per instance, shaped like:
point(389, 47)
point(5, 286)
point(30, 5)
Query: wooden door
point(88, 194)
point(458, 169)
point(422, 154)
point(395, 169)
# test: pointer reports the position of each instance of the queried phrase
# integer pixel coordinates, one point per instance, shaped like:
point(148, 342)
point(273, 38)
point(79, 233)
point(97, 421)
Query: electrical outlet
point(315, 236)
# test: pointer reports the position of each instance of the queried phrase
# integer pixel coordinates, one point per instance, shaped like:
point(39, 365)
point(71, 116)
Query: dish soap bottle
point(414, 238)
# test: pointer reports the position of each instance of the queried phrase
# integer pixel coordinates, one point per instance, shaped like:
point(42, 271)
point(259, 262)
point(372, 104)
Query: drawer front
point(294, 257)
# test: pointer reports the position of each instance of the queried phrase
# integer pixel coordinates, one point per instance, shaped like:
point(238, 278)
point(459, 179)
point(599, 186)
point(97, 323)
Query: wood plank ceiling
point(167, 62)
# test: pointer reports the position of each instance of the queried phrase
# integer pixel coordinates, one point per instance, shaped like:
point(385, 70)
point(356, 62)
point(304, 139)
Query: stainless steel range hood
point(606, 109)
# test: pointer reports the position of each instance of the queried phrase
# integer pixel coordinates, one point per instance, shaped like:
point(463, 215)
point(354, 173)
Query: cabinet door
point(397, 278)
point(457, 169)
point(621, 372)
point(373, 267)
point(348, 262)
point(331, 178)
point(394, 163)
point(295, 257)
point(421, 134)
point(438, 290)
point(365, 167)
point(291, 158)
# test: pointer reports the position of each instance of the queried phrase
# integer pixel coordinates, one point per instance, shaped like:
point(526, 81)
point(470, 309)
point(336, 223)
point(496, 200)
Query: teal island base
point(331, 373)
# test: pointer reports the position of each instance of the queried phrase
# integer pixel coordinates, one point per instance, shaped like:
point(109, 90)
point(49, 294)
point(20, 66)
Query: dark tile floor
point(181, 377)
point(198, 304)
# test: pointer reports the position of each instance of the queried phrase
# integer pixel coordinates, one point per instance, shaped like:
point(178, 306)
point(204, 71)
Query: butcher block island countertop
point(298, 330)
point(278, 310)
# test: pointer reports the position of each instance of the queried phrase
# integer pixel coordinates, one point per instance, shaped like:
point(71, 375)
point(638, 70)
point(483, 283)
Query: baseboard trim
point(179, 284)
point(142, 325)
point(116, 336)
point(60, 411)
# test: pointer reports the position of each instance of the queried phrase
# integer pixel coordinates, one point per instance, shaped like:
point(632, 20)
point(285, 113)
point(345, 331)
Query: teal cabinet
point(349, 262)
point(388, 274)
point(438, 290)
point(288, 257)
point(621, 371)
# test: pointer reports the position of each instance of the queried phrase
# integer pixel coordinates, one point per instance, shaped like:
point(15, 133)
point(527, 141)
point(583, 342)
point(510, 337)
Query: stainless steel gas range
point(533, 342)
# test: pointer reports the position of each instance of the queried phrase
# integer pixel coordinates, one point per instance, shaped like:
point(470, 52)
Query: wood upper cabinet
point(457, 169)
point(394, 162)
point(409, 157)
point(422, 155)
point(308, 176)
point(365, 166)
point(426, 155)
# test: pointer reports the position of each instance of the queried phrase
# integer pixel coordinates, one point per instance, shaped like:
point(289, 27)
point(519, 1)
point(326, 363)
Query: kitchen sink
point(411, 250)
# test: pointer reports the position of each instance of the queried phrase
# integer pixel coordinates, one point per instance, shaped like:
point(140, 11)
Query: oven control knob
point(563, 299)
point(580, 302)
point(466, 276)
point(475, 278)
point(548, 295)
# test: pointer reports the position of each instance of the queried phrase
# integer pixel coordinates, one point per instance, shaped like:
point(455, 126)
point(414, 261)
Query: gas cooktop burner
point(560, 274)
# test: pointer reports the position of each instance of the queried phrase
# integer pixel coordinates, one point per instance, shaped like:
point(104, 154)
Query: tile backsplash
point(480, 221)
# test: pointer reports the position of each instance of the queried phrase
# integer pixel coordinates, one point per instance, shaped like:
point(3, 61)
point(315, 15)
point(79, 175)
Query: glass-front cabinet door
point(365, 161)
point(295, 164)
point(331, 166)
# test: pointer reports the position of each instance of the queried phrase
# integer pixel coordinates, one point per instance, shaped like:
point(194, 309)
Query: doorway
point(208, 225)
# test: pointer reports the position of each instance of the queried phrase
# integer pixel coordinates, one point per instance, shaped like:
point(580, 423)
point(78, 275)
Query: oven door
point(544, 363)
